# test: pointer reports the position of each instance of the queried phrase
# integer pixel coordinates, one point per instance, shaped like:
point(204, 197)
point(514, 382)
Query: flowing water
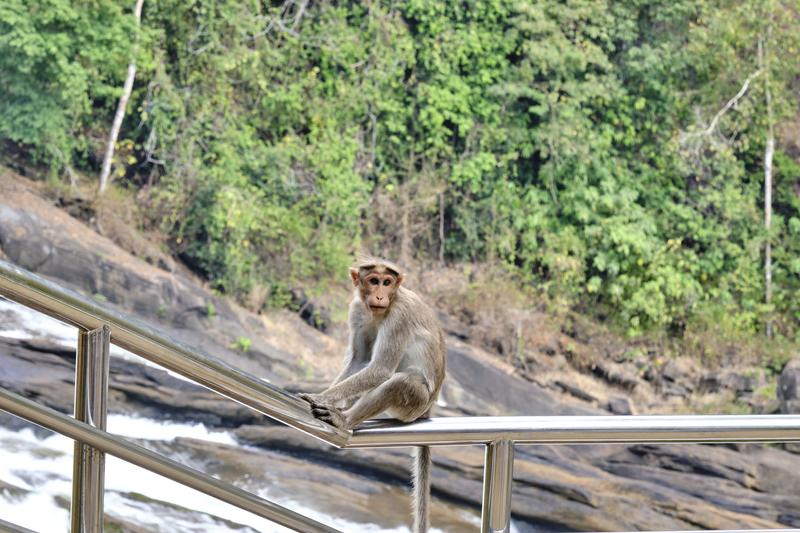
point(42, 468)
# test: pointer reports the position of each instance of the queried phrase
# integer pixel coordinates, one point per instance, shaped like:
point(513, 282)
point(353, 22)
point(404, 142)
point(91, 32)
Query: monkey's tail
point(422, 487)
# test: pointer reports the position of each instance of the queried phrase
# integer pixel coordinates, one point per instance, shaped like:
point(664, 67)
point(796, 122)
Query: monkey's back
point(428, 348)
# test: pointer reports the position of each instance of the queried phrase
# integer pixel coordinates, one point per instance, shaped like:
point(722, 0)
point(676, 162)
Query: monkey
point(395, 363)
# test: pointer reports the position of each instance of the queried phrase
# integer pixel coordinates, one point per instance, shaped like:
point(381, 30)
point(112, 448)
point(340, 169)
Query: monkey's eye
point(374, 281)
point(387, 282)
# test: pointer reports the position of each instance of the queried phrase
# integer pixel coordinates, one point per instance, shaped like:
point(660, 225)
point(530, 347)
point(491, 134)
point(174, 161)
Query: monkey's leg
point(404, 395)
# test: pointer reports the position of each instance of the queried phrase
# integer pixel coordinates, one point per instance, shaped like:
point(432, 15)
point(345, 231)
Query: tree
point(744, 36)
point(127, 88)
point(58, 64)
point(769, 152)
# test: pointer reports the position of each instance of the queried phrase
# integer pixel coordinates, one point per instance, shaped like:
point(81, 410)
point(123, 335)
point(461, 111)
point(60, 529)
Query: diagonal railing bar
point(141, 339)
point(140, 456)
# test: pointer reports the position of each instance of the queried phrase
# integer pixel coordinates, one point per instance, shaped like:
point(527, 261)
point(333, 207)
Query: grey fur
point(422, 488)
point(395, 363)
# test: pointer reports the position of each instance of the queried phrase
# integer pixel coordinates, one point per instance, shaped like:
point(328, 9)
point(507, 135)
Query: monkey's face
point(377, 289)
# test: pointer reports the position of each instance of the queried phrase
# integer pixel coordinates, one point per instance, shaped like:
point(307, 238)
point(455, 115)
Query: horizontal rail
point(452, 431)
point(135, 454)
point(139, 338)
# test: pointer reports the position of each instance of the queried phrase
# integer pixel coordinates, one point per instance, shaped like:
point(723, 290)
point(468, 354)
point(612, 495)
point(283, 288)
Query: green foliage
point(262, 189)
point(768, 391)
point(61, 65)
point(242, 344)
point(567, 141)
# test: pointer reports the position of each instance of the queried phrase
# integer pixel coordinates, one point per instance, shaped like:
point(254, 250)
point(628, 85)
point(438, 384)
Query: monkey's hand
point(316, 400)
point(330, 415)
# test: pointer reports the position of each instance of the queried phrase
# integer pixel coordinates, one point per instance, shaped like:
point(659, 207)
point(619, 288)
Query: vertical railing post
point(91, 394)
point(497, 476)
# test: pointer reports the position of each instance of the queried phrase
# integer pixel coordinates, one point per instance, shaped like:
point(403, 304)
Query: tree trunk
point(441, 228)
point(405, 225)
point(405, 216)
point(127, 88)
point(768, 225)
point(769, 150)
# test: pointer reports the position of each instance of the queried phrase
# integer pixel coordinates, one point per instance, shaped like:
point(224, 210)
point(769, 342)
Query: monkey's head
point(377, 282)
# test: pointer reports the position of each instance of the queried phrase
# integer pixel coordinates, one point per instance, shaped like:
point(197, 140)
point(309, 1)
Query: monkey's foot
point(330, 415)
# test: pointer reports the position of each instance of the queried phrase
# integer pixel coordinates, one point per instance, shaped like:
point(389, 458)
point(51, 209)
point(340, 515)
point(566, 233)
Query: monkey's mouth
point(378, 307)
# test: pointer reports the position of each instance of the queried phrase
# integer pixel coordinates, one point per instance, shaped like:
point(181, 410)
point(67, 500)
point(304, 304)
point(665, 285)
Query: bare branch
point(732, 102)
point(298, 17)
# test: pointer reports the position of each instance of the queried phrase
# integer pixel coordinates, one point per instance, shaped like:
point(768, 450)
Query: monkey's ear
point(399, 279)
point(355, 277)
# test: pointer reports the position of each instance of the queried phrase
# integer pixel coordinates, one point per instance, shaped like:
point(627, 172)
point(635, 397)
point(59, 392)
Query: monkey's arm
point(385, 360)
point(356, 355)
point(348, 366)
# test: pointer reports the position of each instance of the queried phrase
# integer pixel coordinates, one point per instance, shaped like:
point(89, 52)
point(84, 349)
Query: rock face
point(620, 405)
point(556, 488)
point(44, 371)
point(789, 387)
point(47, 241)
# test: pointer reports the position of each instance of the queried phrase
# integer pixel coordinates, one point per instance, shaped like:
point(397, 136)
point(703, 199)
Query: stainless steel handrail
point(498, 434)
point(454, 431)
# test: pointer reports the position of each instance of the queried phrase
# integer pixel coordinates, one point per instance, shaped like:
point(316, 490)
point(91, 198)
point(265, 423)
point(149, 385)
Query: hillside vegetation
point(610, 155)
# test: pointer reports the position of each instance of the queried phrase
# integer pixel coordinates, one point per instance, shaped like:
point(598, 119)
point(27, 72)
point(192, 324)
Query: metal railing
point(99, 326)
